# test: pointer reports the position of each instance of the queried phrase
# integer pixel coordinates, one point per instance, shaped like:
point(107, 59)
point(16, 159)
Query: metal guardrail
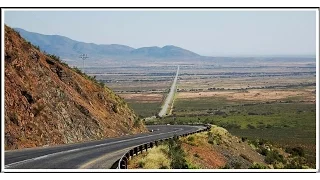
point(123, 161)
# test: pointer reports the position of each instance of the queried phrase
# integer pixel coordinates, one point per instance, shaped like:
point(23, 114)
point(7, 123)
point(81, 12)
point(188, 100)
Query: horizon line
point(230, 55)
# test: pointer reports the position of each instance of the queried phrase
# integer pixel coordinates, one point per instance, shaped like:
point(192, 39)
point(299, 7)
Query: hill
point(168, 51)
point(71, 49)
point(47, 102)
point(218, 149)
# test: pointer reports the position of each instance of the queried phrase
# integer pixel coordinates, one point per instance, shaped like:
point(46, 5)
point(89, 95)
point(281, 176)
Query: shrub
point(137, 122)
point(141, 164)
point(214, 138)
point(36, 47)
point(257, 166)
point(250, 126)
point(296, 163)
point(296, 151)
point(177, 155)
point(191, 138)
point(263, 151)
point(243, 139)
point(273, 157)
point(262, 141)
point(269, 126)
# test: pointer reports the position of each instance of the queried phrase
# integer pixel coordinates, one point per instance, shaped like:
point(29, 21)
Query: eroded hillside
point(47, 102)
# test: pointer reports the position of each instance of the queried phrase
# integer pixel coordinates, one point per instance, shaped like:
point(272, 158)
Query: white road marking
point(84, 148)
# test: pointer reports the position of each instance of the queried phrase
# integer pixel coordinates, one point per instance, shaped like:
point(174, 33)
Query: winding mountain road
point(101, 154)
point(169, 98)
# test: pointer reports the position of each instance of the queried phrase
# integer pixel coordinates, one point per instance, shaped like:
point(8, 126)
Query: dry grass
point(222, 149)
point(195, 81)
point(156, 158)
point(200, 154)
point(253, 95)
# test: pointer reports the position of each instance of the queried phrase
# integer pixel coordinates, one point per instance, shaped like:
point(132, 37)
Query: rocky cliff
point(47, 102)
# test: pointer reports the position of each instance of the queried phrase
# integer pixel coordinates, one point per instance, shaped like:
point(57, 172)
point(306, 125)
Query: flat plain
point(274, 101)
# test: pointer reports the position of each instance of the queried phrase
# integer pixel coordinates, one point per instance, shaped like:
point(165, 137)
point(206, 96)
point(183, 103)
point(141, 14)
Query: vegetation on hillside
point(218, 149)
point(47, 103)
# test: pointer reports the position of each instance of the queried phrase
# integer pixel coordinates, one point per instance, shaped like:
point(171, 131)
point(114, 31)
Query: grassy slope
point(218, 149)
point(288, 124)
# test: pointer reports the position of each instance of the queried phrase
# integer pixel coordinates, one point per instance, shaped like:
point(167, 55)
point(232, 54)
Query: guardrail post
point(146, 147)
point(141, 149)
point(156, 143)
point(151, 144)
point(131, 152)
point(135, 150)
point(124, 163)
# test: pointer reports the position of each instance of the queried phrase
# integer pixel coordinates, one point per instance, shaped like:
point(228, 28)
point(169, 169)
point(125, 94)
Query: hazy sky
point(213, 33)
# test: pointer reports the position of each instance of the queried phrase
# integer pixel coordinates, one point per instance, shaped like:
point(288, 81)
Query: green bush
point(191, 138)
point(296, 151)
point(263, 151)
point(296, 163)
point(141, 164)
point(243, 139)
point(137, 122)
point(262, 141)
point(214, 138)
point(250, 126)
point(257, 166)
point(177, 155)
point(273, 157)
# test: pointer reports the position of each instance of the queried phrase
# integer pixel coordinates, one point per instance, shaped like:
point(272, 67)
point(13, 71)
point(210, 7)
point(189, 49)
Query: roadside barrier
point(123, 161)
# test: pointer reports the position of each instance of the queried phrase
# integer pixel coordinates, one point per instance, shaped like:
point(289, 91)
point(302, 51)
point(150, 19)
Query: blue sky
point(212, 33)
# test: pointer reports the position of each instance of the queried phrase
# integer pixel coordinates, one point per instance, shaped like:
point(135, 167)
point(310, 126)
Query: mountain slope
point(70, 49)
point(164, 52)
point(46, 102)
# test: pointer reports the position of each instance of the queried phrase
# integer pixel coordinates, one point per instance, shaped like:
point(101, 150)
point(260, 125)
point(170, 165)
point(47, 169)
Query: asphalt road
point(169, 98)
point(93, 154)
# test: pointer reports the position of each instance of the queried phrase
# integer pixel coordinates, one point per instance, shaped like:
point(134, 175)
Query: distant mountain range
point(71, 49)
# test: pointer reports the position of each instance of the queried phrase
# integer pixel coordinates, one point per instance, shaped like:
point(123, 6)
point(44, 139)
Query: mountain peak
point(70, 49)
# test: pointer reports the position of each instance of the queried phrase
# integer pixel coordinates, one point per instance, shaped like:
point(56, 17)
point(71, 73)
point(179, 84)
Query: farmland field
point(271, 101)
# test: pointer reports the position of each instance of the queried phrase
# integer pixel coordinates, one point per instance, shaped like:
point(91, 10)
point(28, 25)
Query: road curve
point(169, 98)
point(93, 154)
